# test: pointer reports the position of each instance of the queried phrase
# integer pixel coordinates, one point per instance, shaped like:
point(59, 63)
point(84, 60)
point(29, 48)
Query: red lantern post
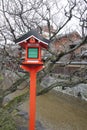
point(33, 43)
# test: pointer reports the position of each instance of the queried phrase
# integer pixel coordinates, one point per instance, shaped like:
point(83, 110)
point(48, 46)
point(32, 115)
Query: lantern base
point(30, 67)
point(32, 62)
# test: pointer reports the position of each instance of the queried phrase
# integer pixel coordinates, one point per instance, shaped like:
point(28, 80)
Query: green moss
point(6, 121)
point(8, 112)
point(16, 101)
point(1, 77)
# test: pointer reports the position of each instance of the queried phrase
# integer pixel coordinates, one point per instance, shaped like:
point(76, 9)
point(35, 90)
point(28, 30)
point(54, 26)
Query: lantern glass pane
point(32, 52)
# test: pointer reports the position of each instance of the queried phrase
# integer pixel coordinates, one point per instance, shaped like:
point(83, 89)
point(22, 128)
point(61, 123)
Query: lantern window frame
point(32, 48)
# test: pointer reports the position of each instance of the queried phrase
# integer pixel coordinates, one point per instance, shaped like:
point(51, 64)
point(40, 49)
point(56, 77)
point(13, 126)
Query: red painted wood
point(32, 100)
point(33, 72)
point(32, 65)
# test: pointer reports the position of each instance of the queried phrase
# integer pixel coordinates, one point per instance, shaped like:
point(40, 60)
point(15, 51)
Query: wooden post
point(32, 99)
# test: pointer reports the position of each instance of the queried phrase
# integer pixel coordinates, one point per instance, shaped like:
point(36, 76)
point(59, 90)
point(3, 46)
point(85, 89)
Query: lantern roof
point(36, 35)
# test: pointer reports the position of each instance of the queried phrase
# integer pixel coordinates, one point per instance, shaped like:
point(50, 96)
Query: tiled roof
point(31, 33)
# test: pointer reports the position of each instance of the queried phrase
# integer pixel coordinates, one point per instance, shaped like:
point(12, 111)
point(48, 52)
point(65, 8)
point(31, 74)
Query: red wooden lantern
point(33, 43)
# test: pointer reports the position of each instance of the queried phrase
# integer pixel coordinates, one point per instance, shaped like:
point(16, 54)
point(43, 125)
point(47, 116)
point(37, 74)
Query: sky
point(57, 14)
point(72, 25)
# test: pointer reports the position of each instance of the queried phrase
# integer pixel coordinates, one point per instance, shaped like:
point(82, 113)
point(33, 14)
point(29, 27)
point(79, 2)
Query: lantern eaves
point(36, 35)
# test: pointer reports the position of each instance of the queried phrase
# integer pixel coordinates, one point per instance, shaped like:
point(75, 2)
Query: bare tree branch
point(11, 28)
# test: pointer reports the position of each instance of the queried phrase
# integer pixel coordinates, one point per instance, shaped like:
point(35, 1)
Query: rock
point(22, 128)
point(39, 126)
point(23, 114)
